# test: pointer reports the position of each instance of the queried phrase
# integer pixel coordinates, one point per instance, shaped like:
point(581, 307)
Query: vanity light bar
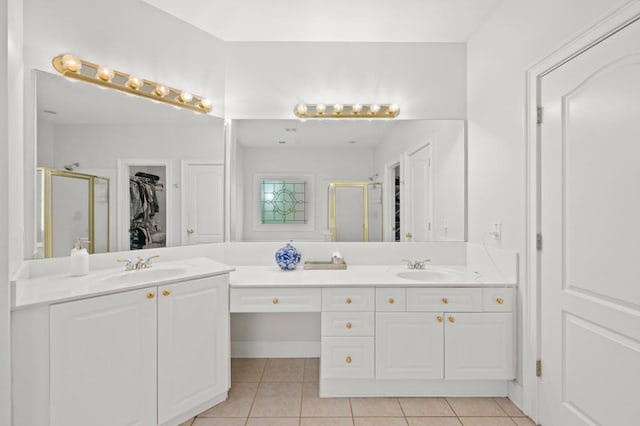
point(71, 66)
point(346, 111)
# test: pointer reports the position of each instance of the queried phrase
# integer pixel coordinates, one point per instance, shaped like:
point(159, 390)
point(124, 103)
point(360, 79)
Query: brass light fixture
point(71, 66)
point(346, 110)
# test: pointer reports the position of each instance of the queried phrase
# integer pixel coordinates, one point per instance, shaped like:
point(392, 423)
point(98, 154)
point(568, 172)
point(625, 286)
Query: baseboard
point(516, 394)
point(337, 388)
point(275, 349)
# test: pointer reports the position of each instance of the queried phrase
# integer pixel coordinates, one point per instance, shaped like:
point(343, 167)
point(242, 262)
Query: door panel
point(103, 360)
point(419, 197)
point(590, 205)
point(204, 203)
point(409, 345)
point(192, 357)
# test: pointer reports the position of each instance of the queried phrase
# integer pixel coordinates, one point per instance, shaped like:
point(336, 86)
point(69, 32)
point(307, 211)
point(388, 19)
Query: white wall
point(325, 165)
point(516, 36)
point(447, 139)
point(266, 80)
point(11, 171)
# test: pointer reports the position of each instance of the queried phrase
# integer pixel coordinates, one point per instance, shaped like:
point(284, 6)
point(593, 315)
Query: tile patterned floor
point(284, 392)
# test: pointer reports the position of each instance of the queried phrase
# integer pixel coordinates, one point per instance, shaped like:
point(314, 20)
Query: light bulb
point(185, 97)
point(320, 109)
point(161, 90)
point(337, 109)
point(134, 82)
point(71, 63)
point(205, 104)
point(393, 109)
point(104, 73)
point(356, 108)
point(301, 109)
point(374, 108)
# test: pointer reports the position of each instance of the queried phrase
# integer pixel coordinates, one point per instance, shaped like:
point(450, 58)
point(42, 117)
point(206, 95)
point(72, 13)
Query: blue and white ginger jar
point(288, 257)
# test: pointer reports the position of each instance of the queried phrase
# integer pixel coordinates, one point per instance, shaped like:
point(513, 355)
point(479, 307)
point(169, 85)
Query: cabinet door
point(103, 360)
point(479, 346)
point(409, 345)
point(193, 345)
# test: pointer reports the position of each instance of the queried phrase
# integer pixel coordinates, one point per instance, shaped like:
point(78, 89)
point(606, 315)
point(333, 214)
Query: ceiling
point(334, 20)
point(312, 133)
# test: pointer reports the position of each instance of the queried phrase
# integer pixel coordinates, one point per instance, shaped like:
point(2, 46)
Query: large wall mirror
point(151, 165)
point(348, 180)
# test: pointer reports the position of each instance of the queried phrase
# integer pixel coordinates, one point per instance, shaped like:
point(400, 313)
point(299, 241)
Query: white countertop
point(28, 292)
point(359, 275)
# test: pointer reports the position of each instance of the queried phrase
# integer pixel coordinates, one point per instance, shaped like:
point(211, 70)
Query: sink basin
point(429, 275)
point(145, 275)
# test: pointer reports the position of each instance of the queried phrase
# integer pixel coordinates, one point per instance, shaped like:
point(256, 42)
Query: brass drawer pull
point(348, 300)
point(275, 301)
point(452, 320)
point(151, 295)
point(445, 300)
point(166, 292)
point(348, 360)
point(439, 318)
point(349, 325)
point(392, 300)
point(500, 300)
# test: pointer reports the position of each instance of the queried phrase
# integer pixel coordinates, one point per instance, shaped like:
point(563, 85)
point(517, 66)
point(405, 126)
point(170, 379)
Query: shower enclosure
point(71, 206)
point(355, 211)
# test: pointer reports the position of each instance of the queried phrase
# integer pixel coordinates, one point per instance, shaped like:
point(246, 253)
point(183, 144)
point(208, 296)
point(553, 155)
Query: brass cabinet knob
point(408, 235)
point(348, 360)
point(190, 231)
point(275, 301)
point(500, 300)
point(439, 318)
point(348, 300)
point(166, 292)
point(151, 295)
point(445, 300)
point(349, 325)
point(392, 300)
point(452, 320)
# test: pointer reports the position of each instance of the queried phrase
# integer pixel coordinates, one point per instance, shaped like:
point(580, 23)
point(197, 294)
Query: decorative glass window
point(283, 201)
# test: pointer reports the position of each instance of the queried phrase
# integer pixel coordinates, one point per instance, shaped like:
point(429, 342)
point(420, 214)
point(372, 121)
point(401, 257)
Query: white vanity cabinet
point(103, 360)
point(409, 345)
point(157, 355)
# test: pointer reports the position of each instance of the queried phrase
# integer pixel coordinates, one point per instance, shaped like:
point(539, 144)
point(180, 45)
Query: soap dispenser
point(79, 260)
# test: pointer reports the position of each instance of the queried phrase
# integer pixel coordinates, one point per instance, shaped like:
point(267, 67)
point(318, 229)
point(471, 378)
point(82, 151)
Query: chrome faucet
point(147, 263)
point(416, 264)
point(129, 266)
point(140, 263)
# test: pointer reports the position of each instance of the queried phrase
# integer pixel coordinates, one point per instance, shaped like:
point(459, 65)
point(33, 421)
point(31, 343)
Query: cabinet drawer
point(497, 299)
point(347, 299)
point(390, 299)
point(359, 324)
point(444, 299)
point(347, 358)
point(275, 300)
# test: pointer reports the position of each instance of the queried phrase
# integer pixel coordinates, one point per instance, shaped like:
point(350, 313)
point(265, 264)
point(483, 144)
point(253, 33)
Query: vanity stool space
point(402, 340)
point(148, 354)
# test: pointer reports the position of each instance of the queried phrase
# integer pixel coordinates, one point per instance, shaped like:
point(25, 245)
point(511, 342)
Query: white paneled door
point(419, 196)
point(203, 204)
point(590, 223)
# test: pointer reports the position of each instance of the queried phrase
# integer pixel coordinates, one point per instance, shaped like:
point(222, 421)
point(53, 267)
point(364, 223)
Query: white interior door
point(203, 214)
point(590, 224)
point(418, 200)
